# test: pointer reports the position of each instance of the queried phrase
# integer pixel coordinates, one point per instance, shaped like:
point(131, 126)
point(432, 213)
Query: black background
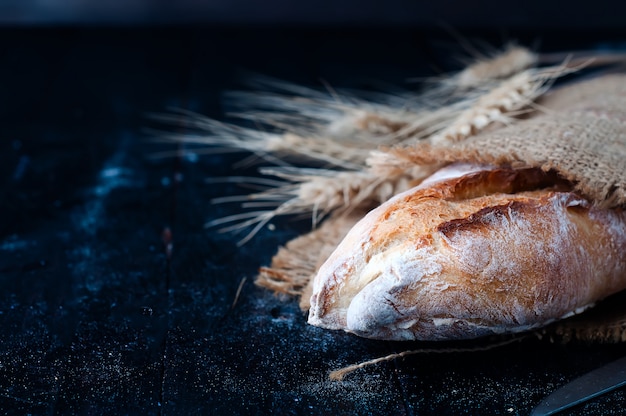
point(492, 14)
point(97, 316)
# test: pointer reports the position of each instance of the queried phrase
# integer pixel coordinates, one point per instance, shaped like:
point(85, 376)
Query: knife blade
point(585, 387)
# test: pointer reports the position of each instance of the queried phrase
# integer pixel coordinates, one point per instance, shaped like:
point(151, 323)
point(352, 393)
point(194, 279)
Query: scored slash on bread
point(488, 250)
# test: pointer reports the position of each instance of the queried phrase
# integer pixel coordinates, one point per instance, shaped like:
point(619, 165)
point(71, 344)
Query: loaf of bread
point(472, 251)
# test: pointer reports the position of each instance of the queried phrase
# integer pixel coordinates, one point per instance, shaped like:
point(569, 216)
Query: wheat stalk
point(340, 374)
point(315, 192)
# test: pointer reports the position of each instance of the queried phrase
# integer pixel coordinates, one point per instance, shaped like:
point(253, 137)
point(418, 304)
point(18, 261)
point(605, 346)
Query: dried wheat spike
point(346, 191)
point(511, 61)
point(344, 154)
point(396, 162)
point(499, 104)
point(316, 192)
point(275, 147)
point(377, 124)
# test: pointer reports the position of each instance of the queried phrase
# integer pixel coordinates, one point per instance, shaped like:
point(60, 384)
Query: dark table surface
point(113, 297)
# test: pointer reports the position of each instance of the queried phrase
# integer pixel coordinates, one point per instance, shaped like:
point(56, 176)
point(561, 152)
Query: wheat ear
point(338, 115)
point(482, 72)
point(501, 103)
point(512, 60)
point(314, 192)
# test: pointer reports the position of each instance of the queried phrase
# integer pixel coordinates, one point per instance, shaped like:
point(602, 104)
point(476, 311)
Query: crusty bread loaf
point(488, 251)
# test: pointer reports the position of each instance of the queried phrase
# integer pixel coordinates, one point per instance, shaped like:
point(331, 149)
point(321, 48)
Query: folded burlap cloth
point(577, 130)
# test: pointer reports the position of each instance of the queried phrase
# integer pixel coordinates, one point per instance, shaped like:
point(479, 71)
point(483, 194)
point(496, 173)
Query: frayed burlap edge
point(294, 265)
